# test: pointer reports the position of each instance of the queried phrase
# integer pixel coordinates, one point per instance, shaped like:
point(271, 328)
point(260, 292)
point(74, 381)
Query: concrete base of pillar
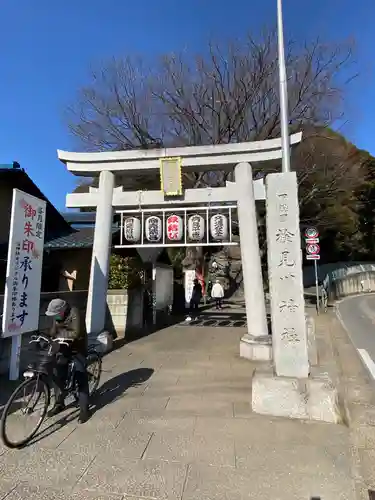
point(315, 398)
point(256, 348)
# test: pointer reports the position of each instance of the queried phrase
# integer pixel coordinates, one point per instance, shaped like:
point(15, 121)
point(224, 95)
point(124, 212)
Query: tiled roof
point(82, 238)
point(79, 217)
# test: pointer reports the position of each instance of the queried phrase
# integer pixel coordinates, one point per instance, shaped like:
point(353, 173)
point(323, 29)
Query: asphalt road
point(358, 316)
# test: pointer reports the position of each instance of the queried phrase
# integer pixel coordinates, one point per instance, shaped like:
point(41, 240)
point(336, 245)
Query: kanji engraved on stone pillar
point(289, 340)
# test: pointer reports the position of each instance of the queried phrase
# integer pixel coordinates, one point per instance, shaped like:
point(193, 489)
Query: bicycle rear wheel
point(94, 370)
point(27, 405)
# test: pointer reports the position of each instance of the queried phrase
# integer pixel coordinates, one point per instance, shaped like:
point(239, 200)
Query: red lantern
point(174, 228)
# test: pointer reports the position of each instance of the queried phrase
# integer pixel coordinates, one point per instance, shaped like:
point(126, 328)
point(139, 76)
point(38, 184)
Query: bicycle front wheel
point(24, 412)
point(94, 371)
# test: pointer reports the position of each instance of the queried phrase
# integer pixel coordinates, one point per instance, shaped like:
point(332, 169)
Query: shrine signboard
point(24, 271)
point(289, 341)
point(24, 266)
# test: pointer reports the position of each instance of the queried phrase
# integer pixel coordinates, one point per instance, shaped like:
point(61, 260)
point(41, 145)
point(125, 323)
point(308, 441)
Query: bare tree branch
point(228, 95)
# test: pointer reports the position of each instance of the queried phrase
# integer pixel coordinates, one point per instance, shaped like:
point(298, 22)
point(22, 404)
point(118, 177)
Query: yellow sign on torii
point(170, 176)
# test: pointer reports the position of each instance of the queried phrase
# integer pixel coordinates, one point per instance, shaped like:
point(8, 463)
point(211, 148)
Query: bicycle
point(39, 381)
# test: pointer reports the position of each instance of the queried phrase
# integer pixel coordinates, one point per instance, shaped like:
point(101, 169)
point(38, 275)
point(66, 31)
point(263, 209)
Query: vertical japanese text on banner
point(25, 254)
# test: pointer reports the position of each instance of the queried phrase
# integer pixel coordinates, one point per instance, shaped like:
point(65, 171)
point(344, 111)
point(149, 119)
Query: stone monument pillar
point(256, 344)
point(289, 340)
point(287, 389)
point(98, 286)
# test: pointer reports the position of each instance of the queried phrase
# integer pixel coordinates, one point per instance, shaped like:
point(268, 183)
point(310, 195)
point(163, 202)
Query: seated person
point(66, 325)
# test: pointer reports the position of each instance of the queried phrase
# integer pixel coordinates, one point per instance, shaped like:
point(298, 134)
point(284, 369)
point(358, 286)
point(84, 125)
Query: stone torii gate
point(244, 192)
point(288, 390)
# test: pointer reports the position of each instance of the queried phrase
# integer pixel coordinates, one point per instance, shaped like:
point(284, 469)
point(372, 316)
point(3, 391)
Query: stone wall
point(124, 311)
point(334, 271)
point(362, 282)
point(124, 317)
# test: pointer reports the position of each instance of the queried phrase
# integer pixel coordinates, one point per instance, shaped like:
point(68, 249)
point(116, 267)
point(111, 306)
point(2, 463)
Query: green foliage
point(366, 209)
point(124, 272)
point(332, 182)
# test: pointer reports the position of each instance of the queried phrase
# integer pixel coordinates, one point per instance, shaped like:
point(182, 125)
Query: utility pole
point(283, 82)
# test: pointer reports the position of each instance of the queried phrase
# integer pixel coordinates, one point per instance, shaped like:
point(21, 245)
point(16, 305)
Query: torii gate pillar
point(97, 293)
point(256, 344)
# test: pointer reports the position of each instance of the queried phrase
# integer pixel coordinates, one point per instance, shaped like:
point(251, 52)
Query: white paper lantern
point(196, 227)
point(219, 227)
point(132, 229)
point(175, 228)
point(153, 229)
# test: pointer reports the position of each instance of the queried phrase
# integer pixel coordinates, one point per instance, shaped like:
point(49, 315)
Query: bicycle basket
point(38, 359)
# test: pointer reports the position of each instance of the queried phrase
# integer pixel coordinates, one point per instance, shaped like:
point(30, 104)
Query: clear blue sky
point(46, 48)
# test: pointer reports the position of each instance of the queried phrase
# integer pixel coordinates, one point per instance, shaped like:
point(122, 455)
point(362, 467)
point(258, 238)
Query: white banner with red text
point(24, 265)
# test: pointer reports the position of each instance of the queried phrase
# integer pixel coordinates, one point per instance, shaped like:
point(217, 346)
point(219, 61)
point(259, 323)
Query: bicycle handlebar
point(38, 338)
point(67, 342)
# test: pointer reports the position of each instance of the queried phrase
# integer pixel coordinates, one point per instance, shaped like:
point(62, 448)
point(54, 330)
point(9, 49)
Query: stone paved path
point(174, 422)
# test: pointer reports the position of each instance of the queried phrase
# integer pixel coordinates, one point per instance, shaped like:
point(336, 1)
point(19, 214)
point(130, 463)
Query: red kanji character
point(27, 245)
point(30, 212)
point(28, 230)
point(173, 235)
point(173, 218)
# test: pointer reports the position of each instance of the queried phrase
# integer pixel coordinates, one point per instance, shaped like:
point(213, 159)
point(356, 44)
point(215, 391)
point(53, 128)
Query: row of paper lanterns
point(175, 228)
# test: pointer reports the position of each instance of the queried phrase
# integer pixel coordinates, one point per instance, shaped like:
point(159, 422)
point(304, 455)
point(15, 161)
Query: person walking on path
point(209, 289)
point(217, 293)
point(196, 297)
